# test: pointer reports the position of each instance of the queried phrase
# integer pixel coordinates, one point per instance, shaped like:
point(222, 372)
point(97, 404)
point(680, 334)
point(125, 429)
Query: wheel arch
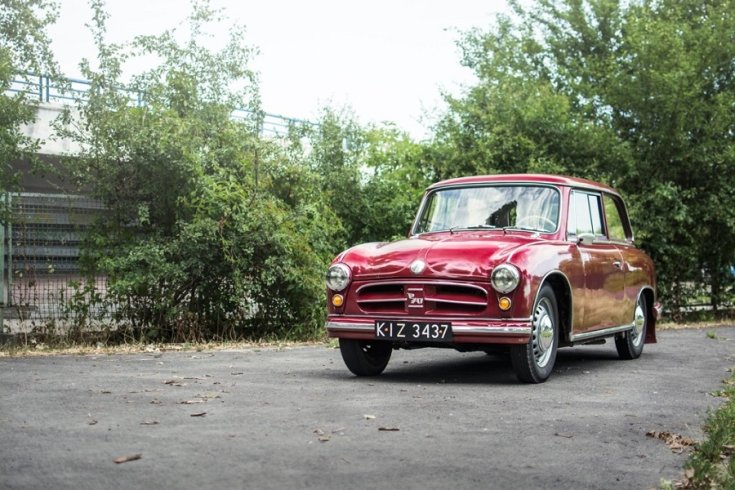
point(651, 317)
point(563, 292)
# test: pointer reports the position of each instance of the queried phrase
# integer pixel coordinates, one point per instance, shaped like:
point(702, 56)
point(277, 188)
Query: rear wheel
point(533, 362)
point(630, 344)
point(365, 357)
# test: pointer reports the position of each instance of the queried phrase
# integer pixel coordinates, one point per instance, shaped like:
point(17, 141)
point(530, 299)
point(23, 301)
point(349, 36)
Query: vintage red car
point(527, 263)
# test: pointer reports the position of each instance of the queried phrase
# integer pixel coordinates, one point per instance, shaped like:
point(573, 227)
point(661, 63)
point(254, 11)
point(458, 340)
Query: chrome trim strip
point(465, 330)
point(455, 301)
point(388, 300)
point(410, 281)
point(400, 316)
point(601, 333)
point(362, 327)
point(493, 330)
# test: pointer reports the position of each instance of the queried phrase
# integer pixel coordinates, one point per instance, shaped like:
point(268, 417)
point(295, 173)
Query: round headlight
point(505, 278)
point(338, 276)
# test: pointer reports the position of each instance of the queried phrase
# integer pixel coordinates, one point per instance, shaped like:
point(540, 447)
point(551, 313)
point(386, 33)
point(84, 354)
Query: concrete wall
point(42, 130)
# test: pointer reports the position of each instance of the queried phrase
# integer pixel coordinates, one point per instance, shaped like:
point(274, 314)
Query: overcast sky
point(386, 59)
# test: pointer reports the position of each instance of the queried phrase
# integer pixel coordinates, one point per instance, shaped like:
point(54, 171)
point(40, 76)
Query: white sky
point(386, 59)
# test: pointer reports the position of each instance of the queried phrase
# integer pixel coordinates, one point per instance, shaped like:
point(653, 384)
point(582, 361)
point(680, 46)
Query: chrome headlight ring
point(338, 277)
point(505, 278)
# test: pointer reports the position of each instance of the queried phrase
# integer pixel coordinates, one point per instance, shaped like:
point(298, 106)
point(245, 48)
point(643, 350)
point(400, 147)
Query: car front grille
point(416, 299)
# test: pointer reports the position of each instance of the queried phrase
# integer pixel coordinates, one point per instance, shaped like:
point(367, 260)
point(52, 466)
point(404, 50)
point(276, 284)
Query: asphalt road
point(297, 419)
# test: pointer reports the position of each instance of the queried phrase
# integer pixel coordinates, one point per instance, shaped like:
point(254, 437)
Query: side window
point(613, 215)
point(596, 213)
point(580, 221)
point(585, 214)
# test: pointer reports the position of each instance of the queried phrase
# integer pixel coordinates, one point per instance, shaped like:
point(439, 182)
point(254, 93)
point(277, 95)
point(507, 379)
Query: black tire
point(365, 357)
point(533, 362)
point(630, 344)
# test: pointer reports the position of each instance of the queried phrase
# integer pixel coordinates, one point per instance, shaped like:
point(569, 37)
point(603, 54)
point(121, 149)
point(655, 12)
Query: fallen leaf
point(324, 438)
point(191, 402)
point(676, 442)
point(199, 414)
point(173, 382)
point(369, 417)
point(236, 374)
point(149, 422)
point(125, 459)
point(388, 429)
point(92, 422)
point(568, 436)
point(105, 392)
point(209, 396)
point(156, 401)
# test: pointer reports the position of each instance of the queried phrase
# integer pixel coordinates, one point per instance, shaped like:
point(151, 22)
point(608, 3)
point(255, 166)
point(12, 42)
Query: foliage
point(638, 95)
point(371, 176)
point(712, 464)
point(24, 48)
point(200, 240)
point(213, 231)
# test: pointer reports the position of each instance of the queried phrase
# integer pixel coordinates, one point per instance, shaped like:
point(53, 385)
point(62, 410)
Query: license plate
point(425, 331)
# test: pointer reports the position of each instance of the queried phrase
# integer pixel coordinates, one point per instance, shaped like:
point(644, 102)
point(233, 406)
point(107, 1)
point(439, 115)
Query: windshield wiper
point(472, 227)
point(521, 228)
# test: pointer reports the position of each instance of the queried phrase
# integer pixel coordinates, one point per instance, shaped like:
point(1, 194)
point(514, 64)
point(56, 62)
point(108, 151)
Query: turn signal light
point(338, 300)
point(504, 303)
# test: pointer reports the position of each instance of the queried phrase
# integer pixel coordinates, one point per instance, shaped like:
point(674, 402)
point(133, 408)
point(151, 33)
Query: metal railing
point(67, 90)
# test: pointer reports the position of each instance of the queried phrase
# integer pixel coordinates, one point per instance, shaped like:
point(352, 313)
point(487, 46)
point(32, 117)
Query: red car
point(524, 263)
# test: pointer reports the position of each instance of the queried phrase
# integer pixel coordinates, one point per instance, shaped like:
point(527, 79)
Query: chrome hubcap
point(543, 333)
point(638, 324)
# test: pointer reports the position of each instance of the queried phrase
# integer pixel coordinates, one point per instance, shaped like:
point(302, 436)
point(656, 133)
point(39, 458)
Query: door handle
point(617, 264)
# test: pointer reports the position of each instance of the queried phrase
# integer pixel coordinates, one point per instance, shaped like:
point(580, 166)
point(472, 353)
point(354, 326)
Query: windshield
point(526, 207)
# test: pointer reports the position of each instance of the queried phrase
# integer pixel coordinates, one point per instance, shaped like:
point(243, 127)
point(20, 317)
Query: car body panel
point(600, 279)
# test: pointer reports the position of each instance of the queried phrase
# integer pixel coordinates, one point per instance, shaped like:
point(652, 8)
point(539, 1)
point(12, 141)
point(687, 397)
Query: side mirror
point(585, 239)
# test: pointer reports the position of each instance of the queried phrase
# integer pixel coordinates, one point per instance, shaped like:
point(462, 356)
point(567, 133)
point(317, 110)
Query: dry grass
point(670, 325)
point(45, 350)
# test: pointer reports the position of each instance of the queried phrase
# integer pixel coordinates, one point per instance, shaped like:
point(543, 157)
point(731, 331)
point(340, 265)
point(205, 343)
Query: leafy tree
point(202, 238)
point(371, 176)
point(636, 94)
point(396, 181)
point(24, 50)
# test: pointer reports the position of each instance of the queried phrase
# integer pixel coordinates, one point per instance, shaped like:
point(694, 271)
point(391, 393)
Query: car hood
point(459, 255)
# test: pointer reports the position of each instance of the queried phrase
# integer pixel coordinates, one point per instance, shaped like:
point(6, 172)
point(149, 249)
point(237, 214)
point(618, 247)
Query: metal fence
point(42, 279)
point(67, 90)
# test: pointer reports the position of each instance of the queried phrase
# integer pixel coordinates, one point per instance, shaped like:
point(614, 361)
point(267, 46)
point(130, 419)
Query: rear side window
point(616, 225)
point(585, 214)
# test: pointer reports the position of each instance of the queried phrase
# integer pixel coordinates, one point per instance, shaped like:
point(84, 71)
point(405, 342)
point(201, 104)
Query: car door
point(598, 301)
point(636, 265)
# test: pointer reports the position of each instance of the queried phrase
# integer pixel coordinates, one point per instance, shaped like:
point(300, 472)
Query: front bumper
point(476, 331)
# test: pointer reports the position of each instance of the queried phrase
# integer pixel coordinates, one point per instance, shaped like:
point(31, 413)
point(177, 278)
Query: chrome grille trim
point(438, 297)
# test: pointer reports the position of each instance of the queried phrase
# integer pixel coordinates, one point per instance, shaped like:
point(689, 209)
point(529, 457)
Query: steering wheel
point(537, 219)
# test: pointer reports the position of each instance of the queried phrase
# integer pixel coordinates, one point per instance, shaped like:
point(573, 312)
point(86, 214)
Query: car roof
point(523, 179)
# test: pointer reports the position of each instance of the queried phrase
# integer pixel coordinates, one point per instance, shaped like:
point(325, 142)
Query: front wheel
point(534, 361)
point(630, 344)
point(365, 357)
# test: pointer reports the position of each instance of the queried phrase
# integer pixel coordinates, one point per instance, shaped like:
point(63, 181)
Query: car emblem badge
point(417, 267)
